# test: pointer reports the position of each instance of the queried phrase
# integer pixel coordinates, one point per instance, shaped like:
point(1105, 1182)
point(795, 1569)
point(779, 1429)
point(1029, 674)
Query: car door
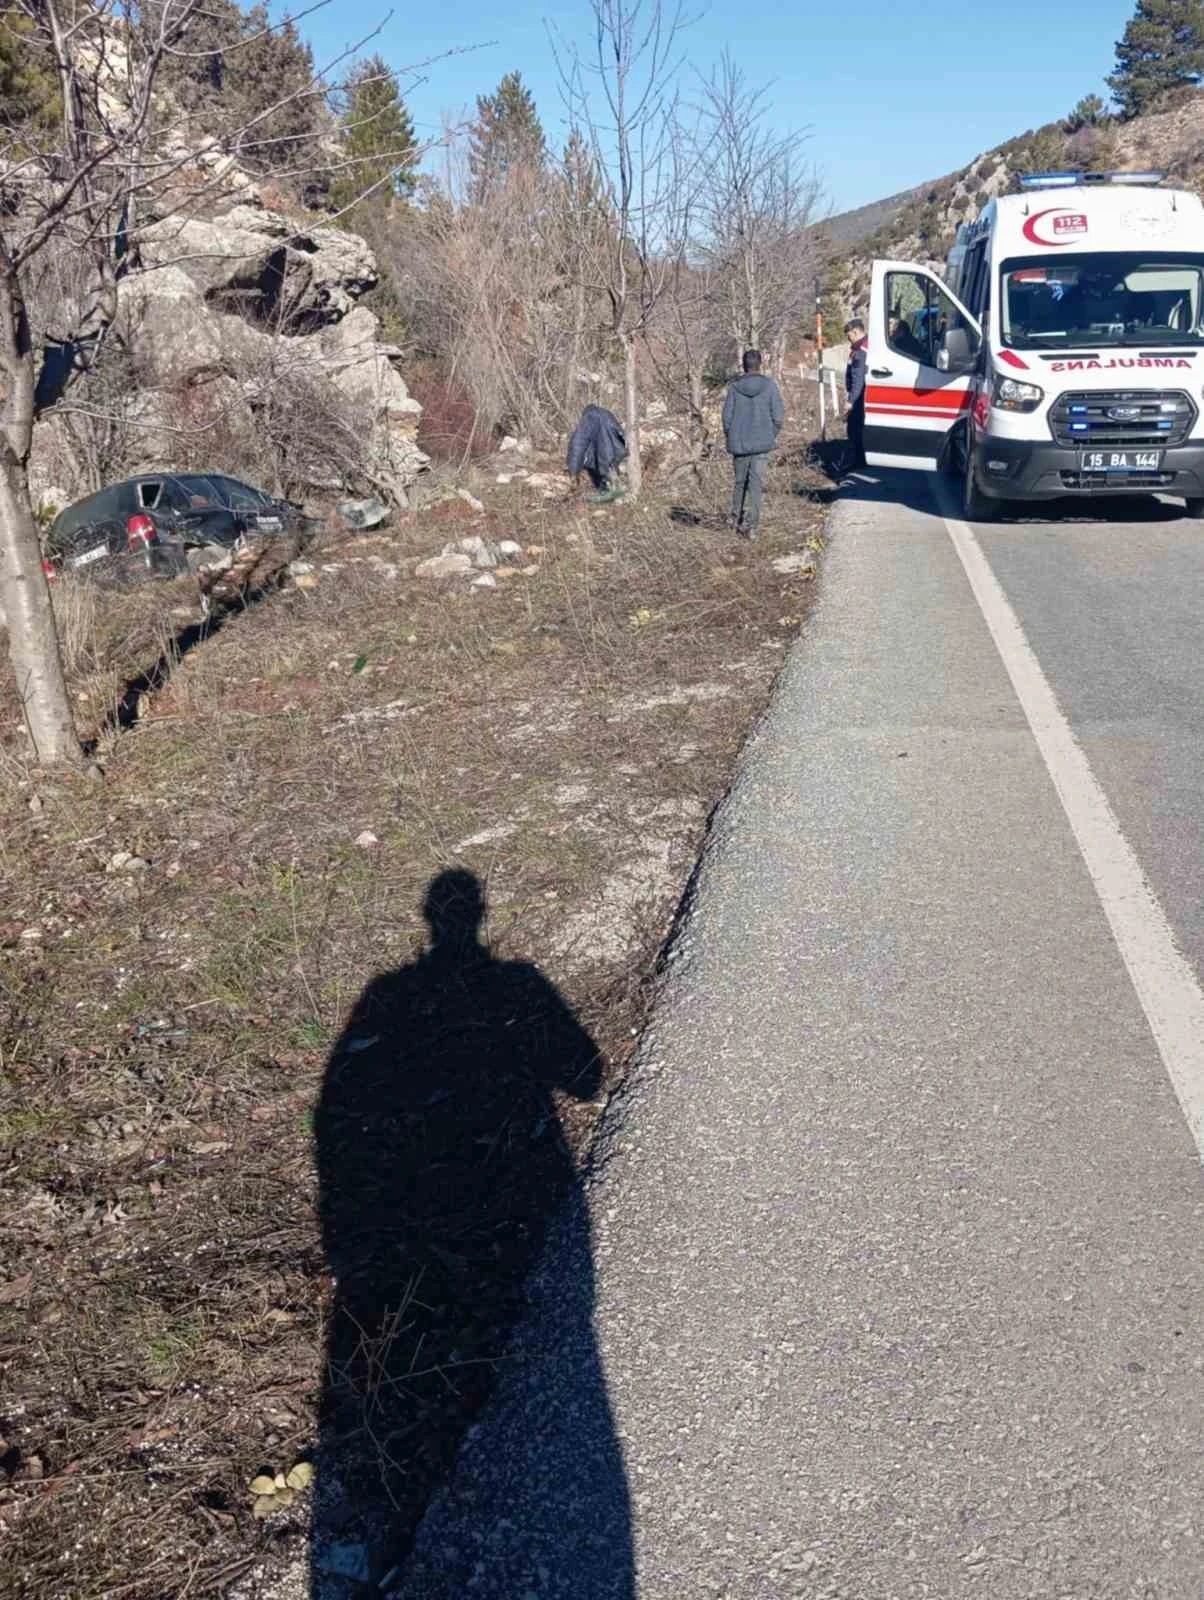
point(920, 364)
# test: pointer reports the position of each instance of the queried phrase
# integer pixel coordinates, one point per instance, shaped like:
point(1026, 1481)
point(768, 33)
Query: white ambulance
point(1064, 356)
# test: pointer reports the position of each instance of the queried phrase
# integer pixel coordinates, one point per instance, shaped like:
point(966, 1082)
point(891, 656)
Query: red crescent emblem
point(1033, 237)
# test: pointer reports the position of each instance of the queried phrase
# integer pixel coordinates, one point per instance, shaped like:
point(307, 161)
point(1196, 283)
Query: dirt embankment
point(182, 943)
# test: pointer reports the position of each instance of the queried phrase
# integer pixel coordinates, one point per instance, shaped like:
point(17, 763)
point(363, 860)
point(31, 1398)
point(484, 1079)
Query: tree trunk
point(33, 643)
point(631, 418)
point(575, 347)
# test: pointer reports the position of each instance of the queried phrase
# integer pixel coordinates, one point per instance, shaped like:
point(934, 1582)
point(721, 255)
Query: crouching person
point(598, 448)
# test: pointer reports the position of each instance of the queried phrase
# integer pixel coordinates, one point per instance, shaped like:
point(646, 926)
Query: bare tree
point(622, 97)
point(583, 234)
point(758, 203)
point(121, 152)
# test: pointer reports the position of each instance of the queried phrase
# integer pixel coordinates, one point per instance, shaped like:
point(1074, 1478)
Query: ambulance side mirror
point(957, 355)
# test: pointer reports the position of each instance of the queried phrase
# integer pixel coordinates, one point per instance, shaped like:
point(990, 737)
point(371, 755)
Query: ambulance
point(1062, 354)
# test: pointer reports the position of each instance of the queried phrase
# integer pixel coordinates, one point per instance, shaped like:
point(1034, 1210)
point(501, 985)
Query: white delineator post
point(819, 358)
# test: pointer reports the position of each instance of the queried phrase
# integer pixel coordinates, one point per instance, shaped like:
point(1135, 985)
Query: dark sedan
point(150, 524)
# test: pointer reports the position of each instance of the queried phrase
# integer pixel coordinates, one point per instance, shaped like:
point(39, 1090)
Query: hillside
point(920, 225)
point(849, 228)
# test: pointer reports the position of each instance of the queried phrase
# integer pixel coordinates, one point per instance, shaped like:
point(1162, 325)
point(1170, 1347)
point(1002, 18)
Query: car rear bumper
point(1031, 469)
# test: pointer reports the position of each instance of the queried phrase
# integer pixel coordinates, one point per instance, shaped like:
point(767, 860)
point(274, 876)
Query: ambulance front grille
point(1137, 419)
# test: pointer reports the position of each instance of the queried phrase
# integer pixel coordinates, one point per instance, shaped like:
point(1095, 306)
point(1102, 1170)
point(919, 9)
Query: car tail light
point(49, 569)
point(139, 532)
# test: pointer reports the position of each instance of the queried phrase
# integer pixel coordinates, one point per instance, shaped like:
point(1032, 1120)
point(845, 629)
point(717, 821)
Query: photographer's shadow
point(441, 1162)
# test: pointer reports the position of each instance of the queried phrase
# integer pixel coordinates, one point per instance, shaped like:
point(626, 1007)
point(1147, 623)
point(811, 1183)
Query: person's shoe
point(604, 497)
point(747, 533)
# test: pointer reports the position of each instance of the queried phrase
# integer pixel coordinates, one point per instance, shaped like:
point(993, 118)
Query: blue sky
point(893, 91)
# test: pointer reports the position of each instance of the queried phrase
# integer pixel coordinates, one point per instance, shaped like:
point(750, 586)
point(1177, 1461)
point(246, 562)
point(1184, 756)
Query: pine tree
point(377, 138)
point(506, 134)
point(29, 103)
point(1162, 48)
point(1090, 112)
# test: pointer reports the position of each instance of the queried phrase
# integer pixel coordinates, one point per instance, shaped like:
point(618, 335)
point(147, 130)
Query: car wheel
point(976, 506)
point(1194, 509)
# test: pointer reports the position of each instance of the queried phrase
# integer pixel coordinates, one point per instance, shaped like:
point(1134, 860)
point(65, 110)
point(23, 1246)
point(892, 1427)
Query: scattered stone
point(509, 442)
point(505, 477)
point(307, 580)
point(509, 547)
point(299, 569)
point(210, 558)
point(367, 840)
point(485, 581)
point(123, 861)
point(529, 572)
point(551, 485)
point(471, 501)
point(448, 565)
point(796, 563)
point(480, 553)
point(360, 514)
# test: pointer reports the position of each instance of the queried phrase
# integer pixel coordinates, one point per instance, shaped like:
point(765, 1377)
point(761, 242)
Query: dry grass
point(163, 1030)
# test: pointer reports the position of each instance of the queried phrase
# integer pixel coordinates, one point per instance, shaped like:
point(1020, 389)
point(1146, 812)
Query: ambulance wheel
point(953, 456)
point(1195, 509)
point(976, 507)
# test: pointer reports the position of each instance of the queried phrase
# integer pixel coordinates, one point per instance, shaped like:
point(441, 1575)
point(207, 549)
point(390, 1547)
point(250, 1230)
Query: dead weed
point(181, 943)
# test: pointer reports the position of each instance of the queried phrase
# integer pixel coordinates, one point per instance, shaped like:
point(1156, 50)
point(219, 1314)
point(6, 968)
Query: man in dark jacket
point(854, 383)
point(597, 447)
point(752, 419)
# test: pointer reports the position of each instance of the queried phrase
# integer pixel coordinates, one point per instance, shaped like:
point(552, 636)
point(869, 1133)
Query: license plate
point(89, 556)
point(1120, 460)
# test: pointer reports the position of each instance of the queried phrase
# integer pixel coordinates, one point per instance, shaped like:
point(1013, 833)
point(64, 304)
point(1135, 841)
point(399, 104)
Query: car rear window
point(97, 508)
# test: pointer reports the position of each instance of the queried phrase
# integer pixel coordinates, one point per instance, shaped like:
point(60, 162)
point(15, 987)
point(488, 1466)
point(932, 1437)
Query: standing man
point(854, 383)
point(752, 419)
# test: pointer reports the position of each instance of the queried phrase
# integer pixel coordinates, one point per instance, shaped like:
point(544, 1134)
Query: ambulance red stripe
point(938, 400)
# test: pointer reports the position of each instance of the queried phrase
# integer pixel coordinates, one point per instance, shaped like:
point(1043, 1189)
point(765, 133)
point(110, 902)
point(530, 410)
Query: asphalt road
point(895, 1281)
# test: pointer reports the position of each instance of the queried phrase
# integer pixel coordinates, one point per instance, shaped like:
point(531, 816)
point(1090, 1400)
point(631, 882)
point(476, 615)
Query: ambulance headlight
point(1012, 395)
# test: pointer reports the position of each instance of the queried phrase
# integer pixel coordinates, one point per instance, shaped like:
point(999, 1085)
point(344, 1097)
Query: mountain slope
point(920, 224)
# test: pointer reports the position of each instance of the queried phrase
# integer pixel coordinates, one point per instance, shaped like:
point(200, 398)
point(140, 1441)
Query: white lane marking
point(1165, 983)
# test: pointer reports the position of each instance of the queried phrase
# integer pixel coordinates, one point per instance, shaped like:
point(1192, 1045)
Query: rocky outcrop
point(219, 312)
point(260, 264)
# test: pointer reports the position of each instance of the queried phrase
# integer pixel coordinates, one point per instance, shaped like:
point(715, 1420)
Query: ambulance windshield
point(1102, 301)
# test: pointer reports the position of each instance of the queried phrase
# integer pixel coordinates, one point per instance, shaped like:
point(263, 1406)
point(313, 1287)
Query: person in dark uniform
point(854, 383)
